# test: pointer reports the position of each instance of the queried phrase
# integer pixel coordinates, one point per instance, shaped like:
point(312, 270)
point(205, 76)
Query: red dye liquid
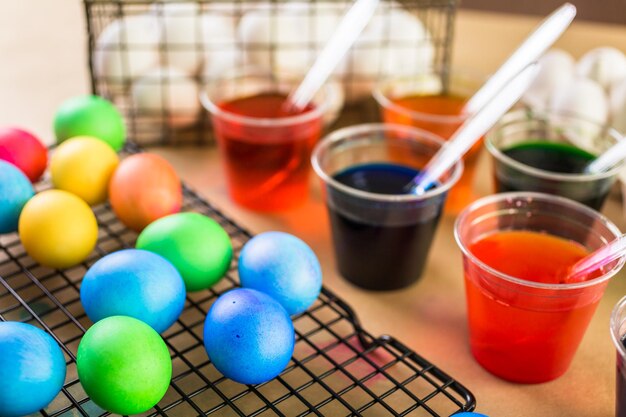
point(267, 166)
point(519, 333)
point(432, 106)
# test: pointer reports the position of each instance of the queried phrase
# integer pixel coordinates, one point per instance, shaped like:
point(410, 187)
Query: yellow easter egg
point(57, 229)
point(83, 166)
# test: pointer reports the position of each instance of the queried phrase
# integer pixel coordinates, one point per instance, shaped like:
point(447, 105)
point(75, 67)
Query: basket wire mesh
point(281, 36)
point(338, 368)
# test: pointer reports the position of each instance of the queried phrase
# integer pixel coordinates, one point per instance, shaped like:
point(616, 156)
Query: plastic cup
point(381, 240)
point(266, 158)
point(521, 126)
point(525, 331)
point(618, 334)
point(399, 100)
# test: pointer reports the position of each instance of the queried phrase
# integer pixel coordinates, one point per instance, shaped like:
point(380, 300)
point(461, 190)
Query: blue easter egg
point(15, 190)
point(283, 266)
point(134, 283)
point(248, 336)
point(467, 414)
point(32, 369)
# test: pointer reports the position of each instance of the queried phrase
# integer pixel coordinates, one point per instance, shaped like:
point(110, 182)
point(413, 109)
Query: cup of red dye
point(265, 148)
point(381, 233)
point(618, 333)
point(525, 321)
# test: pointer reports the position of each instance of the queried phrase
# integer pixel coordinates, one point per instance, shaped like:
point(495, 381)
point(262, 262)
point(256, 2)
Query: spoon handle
point(339, 43)
point(529, 51)
point(472, 130)
point(596, 260)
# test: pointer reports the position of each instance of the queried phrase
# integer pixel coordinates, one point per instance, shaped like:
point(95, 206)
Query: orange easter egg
point(144, 188)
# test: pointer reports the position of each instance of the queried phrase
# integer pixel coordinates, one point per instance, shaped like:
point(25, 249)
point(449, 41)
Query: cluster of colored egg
point(132, 295)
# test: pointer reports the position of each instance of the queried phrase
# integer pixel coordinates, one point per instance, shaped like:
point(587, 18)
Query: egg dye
point(23, 150)
point(134, 283)
point(123, 365)
point(15, 191)
point(57, 229)
point(144, 188)
point(32, 369)
point(248, 336)
point(90, 116)
point(282, 266)
point(83, 166)
point(195, 244)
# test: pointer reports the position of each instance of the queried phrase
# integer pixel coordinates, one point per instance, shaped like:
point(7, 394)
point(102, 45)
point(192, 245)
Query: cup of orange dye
point(525, 321)
point(265, 149)
point(423, 101)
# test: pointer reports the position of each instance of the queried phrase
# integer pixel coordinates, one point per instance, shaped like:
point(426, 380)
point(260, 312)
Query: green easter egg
point(90, 116)
point(123, 365)
point(195, 244)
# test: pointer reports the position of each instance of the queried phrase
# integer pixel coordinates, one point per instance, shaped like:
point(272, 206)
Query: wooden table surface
point(42, 44)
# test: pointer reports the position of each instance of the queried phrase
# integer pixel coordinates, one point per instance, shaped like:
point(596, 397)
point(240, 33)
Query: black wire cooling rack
point(338, 368)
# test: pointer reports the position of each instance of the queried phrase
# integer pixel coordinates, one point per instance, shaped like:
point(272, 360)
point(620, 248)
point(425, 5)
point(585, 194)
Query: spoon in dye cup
point(347, 32)
point(339, 43)
point(608, 158)
point(472, 130)
point(596, 260)
point(544, 36)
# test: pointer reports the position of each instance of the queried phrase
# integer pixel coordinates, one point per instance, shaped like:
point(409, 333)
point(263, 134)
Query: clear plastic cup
point(522, 139)
point(618, 334)
point(266, 158)
point(381, 234)
point(520, 330)
point(419, 101)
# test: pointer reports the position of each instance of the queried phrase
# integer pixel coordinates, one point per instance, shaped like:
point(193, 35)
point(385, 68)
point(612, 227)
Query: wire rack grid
point(338, 368)
point(194, 42)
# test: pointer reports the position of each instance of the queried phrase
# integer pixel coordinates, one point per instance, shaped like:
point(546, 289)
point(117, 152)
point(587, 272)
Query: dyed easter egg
point(123, 365)
point(57, 229)
point(469, 415)
point(195, 244)
point(282, 266)
point(248, 336)
point(90, 116)
point(83, 166)
point(32, 369)
point(23, 150)
point(144, 188)
point(134, 283)
point(15, 191)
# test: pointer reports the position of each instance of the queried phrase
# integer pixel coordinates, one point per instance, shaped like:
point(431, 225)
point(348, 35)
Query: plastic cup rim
point(340, 134)
point(385, 102)
point(615, 325)
point(542, 173)
point(215, 110)
point(535, 196)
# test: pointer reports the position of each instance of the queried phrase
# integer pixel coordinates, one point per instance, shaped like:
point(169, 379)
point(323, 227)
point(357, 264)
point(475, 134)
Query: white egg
point(187, 32)
point(395, 43)
point(556, 68)
point(287, 38)
point(220, 50)
point(586, 99)
point(604, 65)
point(166, 94)
point(617, 103)
point(126, 49)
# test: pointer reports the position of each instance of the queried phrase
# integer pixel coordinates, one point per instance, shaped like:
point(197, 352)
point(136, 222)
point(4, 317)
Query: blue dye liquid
point(380, 256)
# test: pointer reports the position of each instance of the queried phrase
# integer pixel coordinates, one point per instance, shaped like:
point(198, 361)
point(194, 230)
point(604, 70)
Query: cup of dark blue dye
point(618, 333)
point(381, 233)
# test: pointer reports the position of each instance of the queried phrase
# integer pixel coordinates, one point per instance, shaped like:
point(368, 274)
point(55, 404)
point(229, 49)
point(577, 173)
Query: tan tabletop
point(42, 45)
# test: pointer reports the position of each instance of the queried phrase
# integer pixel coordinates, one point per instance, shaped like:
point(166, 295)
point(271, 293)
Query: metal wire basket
point(151, 57)
point(337, 369)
